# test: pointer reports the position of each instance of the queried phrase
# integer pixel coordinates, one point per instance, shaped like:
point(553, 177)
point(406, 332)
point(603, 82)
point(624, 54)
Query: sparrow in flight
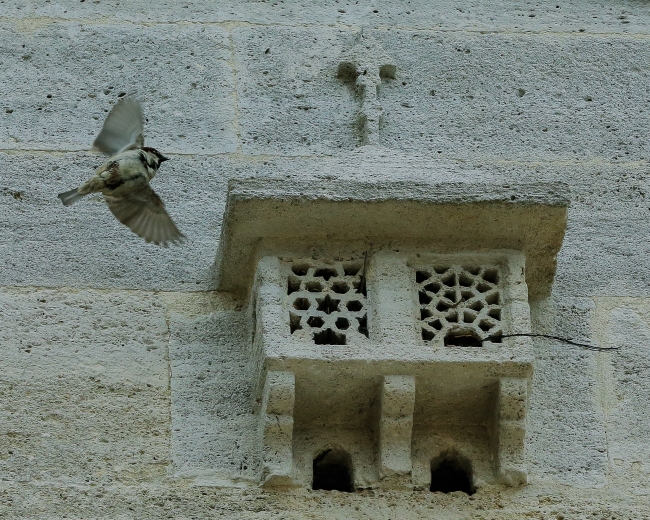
point(124, 177)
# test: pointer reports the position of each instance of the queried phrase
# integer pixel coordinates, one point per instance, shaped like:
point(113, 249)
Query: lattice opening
point(300, 269)
point(333, 470)
point(325, 273)
point(342, 324)
point(293, 285)
point(301, 304)
point(329, 337)
point(462, 338)
point(363, 325)
point(314, 286)
point(327, 302)
point(315, 321)
point(354, 306)
point(294, 322)
point(328, 305)
point(451, 472)
point(462, 304)
point(340, 287)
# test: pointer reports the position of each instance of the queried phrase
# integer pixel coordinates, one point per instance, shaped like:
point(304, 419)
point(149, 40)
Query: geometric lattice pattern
point(461, 304)
point(327, 302)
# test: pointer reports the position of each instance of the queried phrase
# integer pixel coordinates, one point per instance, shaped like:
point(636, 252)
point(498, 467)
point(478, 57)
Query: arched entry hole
point(333, 471)
point(451, 472)
point(462, 338)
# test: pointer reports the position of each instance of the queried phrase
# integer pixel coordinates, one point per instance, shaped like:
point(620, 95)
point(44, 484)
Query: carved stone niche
point(378, 318)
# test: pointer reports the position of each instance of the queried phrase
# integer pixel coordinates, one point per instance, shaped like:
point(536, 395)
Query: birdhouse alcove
point(380, 349)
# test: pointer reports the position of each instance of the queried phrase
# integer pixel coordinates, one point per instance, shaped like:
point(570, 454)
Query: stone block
point(276, 429)
point(395, 429)
point(65, 77)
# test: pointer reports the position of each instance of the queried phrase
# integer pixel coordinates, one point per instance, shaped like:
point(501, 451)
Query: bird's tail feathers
point(69, 197)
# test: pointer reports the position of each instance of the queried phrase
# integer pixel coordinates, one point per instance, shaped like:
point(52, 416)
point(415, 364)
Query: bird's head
point(153, 157)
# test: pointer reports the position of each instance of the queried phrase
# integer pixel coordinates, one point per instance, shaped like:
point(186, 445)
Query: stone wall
point(105, 338)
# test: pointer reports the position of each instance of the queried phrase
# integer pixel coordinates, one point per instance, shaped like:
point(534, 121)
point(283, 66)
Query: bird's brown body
point(124, 178)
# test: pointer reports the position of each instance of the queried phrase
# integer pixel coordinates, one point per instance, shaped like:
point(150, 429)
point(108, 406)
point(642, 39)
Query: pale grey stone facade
point(135, 381)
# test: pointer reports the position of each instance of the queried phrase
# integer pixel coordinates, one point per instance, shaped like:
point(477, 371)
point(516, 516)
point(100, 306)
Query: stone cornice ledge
point(280, 216)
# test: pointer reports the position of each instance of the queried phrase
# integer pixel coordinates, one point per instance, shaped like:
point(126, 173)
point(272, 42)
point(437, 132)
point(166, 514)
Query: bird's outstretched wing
point(122, 129)
point(143, 212)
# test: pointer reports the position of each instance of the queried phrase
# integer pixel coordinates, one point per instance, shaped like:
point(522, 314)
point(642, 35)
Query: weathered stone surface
point(579, 17)
point(623, 384)
point(65, 77)
point(506, 92)
point(523, 97)
point(566, 439)
point(213, 426)
point(84, 388)
point(289, 97)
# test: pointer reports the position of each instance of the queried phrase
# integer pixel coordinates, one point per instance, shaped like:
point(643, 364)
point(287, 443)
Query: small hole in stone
point(442, 306)
point(483, 287)
point(476, 305)
point(493, 299)
point(425, 313)
point(427, 335)
point(332, 470)
point(294, 322)
point(361, 286)
point(465, 280)
point(440, 270)
point(473, 270)
point(424, 298)
point(452, 317)
point(342, 324)
point(469, 316)
point(495, 313)
point(294, 285)
point(351, 270)
point(354, 306)
point(329, 337)
point(421, 276)
point(436, 324)
point(328, 305)
point(450, 295)
point(363, 325)
point(433, 287)
point(314, 286)
point(301, 304)
point(449, 279)
point(325, 273)
point(315, 322)
point(340, 287)
point(491, 275)
point(300, 269)
point(466, 295)
point(462, 338)
point(484, 325)
point(451, 472)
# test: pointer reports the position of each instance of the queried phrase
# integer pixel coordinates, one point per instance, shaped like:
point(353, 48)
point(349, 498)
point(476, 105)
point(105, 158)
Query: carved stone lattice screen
point(327, 302)
point(460, 304)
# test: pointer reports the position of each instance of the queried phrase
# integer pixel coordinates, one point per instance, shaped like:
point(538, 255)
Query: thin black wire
point(558, 338)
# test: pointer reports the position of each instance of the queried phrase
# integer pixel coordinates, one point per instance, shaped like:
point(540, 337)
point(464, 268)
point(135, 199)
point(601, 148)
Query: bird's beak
point(163, 158)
